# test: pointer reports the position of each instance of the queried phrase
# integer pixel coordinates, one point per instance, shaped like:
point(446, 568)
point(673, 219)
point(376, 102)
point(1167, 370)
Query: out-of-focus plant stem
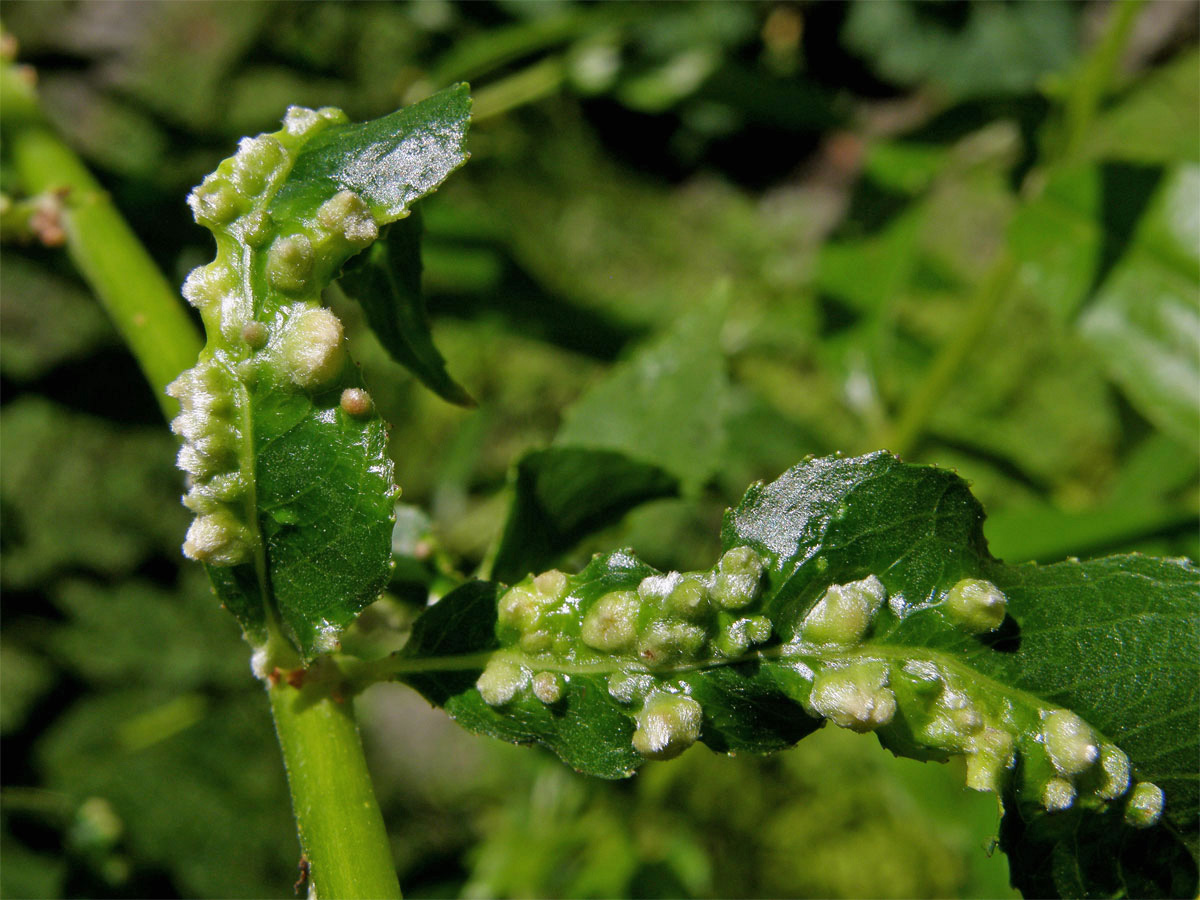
point(902, 434)
point(1090, 83)
point(1095, 77)
point(148, 313)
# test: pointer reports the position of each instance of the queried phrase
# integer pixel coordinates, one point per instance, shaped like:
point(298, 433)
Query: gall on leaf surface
point(1081, 700)
point(286, 456)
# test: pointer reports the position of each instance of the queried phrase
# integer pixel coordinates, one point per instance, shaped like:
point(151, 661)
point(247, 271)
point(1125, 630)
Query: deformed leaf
point(386, 282)
point(861, 591)
point(286, 455)
point(325, 492)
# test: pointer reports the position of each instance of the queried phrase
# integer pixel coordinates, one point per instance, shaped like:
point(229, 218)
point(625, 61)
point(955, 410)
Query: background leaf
point(584, 227)
point(1115, 248)
point(655, 425)
point(911, 43)
point(563, 494)
point(665, 405)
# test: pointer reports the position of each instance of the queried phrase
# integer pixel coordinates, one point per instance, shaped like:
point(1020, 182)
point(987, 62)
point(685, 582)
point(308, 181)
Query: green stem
point(1087, 89)
point(904, 432)
point(1095, 77)
point(341, 828)
point(146, 310)
point(531, 84)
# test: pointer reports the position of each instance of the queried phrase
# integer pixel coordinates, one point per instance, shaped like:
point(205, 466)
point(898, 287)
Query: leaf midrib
point(398, 665)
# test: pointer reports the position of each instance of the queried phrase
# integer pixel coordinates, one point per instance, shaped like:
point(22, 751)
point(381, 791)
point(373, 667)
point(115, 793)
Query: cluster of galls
point(276, 332)
point(669, 621)
point(209, 455)
point(927, 709)
point(923, 706)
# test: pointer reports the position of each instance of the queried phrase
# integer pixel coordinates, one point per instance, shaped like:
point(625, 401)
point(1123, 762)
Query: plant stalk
point(1095, 77)
point(146, 310)
point(339, 821)
point(341, 828)
point(1089, 86)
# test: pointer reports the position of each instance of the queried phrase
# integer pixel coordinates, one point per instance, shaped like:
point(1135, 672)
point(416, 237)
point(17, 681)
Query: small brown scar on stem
point(46, 221)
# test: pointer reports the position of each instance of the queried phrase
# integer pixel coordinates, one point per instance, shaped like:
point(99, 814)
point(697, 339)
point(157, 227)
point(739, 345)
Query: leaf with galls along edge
point(852, 564)
point(285, 454)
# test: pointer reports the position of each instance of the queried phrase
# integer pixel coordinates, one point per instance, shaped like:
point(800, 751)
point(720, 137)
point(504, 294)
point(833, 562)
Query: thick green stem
point(148, 313)
point(341, 828)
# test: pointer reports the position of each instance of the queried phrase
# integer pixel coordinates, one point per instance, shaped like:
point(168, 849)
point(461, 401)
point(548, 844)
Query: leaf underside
point(1114, 640)
point(386, 281)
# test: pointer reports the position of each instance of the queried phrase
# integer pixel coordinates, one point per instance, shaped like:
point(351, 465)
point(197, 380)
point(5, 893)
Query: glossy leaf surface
point(390, 162)
point(599, 668)
point(289, 475)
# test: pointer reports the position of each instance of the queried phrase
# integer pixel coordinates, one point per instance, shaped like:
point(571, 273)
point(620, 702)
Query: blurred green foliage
point(849, 173)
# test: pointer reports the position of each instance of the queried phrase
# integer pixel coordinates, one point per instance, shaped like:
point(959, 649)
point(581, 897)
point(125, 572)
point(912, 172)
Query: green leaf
point(997, 50)
point(653, 426)
point(386, 281)
point(1157, 121)
point(325, 494)
point(1114, 247)
point(24, 679)
point(665, 405)
point(1145, 320)
point(34, 302)
point(860, 591)
point(390, 162)
point(563, 494)
point(285, 451)
point(191, 639)
point(213, 784)
point(81, 495)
